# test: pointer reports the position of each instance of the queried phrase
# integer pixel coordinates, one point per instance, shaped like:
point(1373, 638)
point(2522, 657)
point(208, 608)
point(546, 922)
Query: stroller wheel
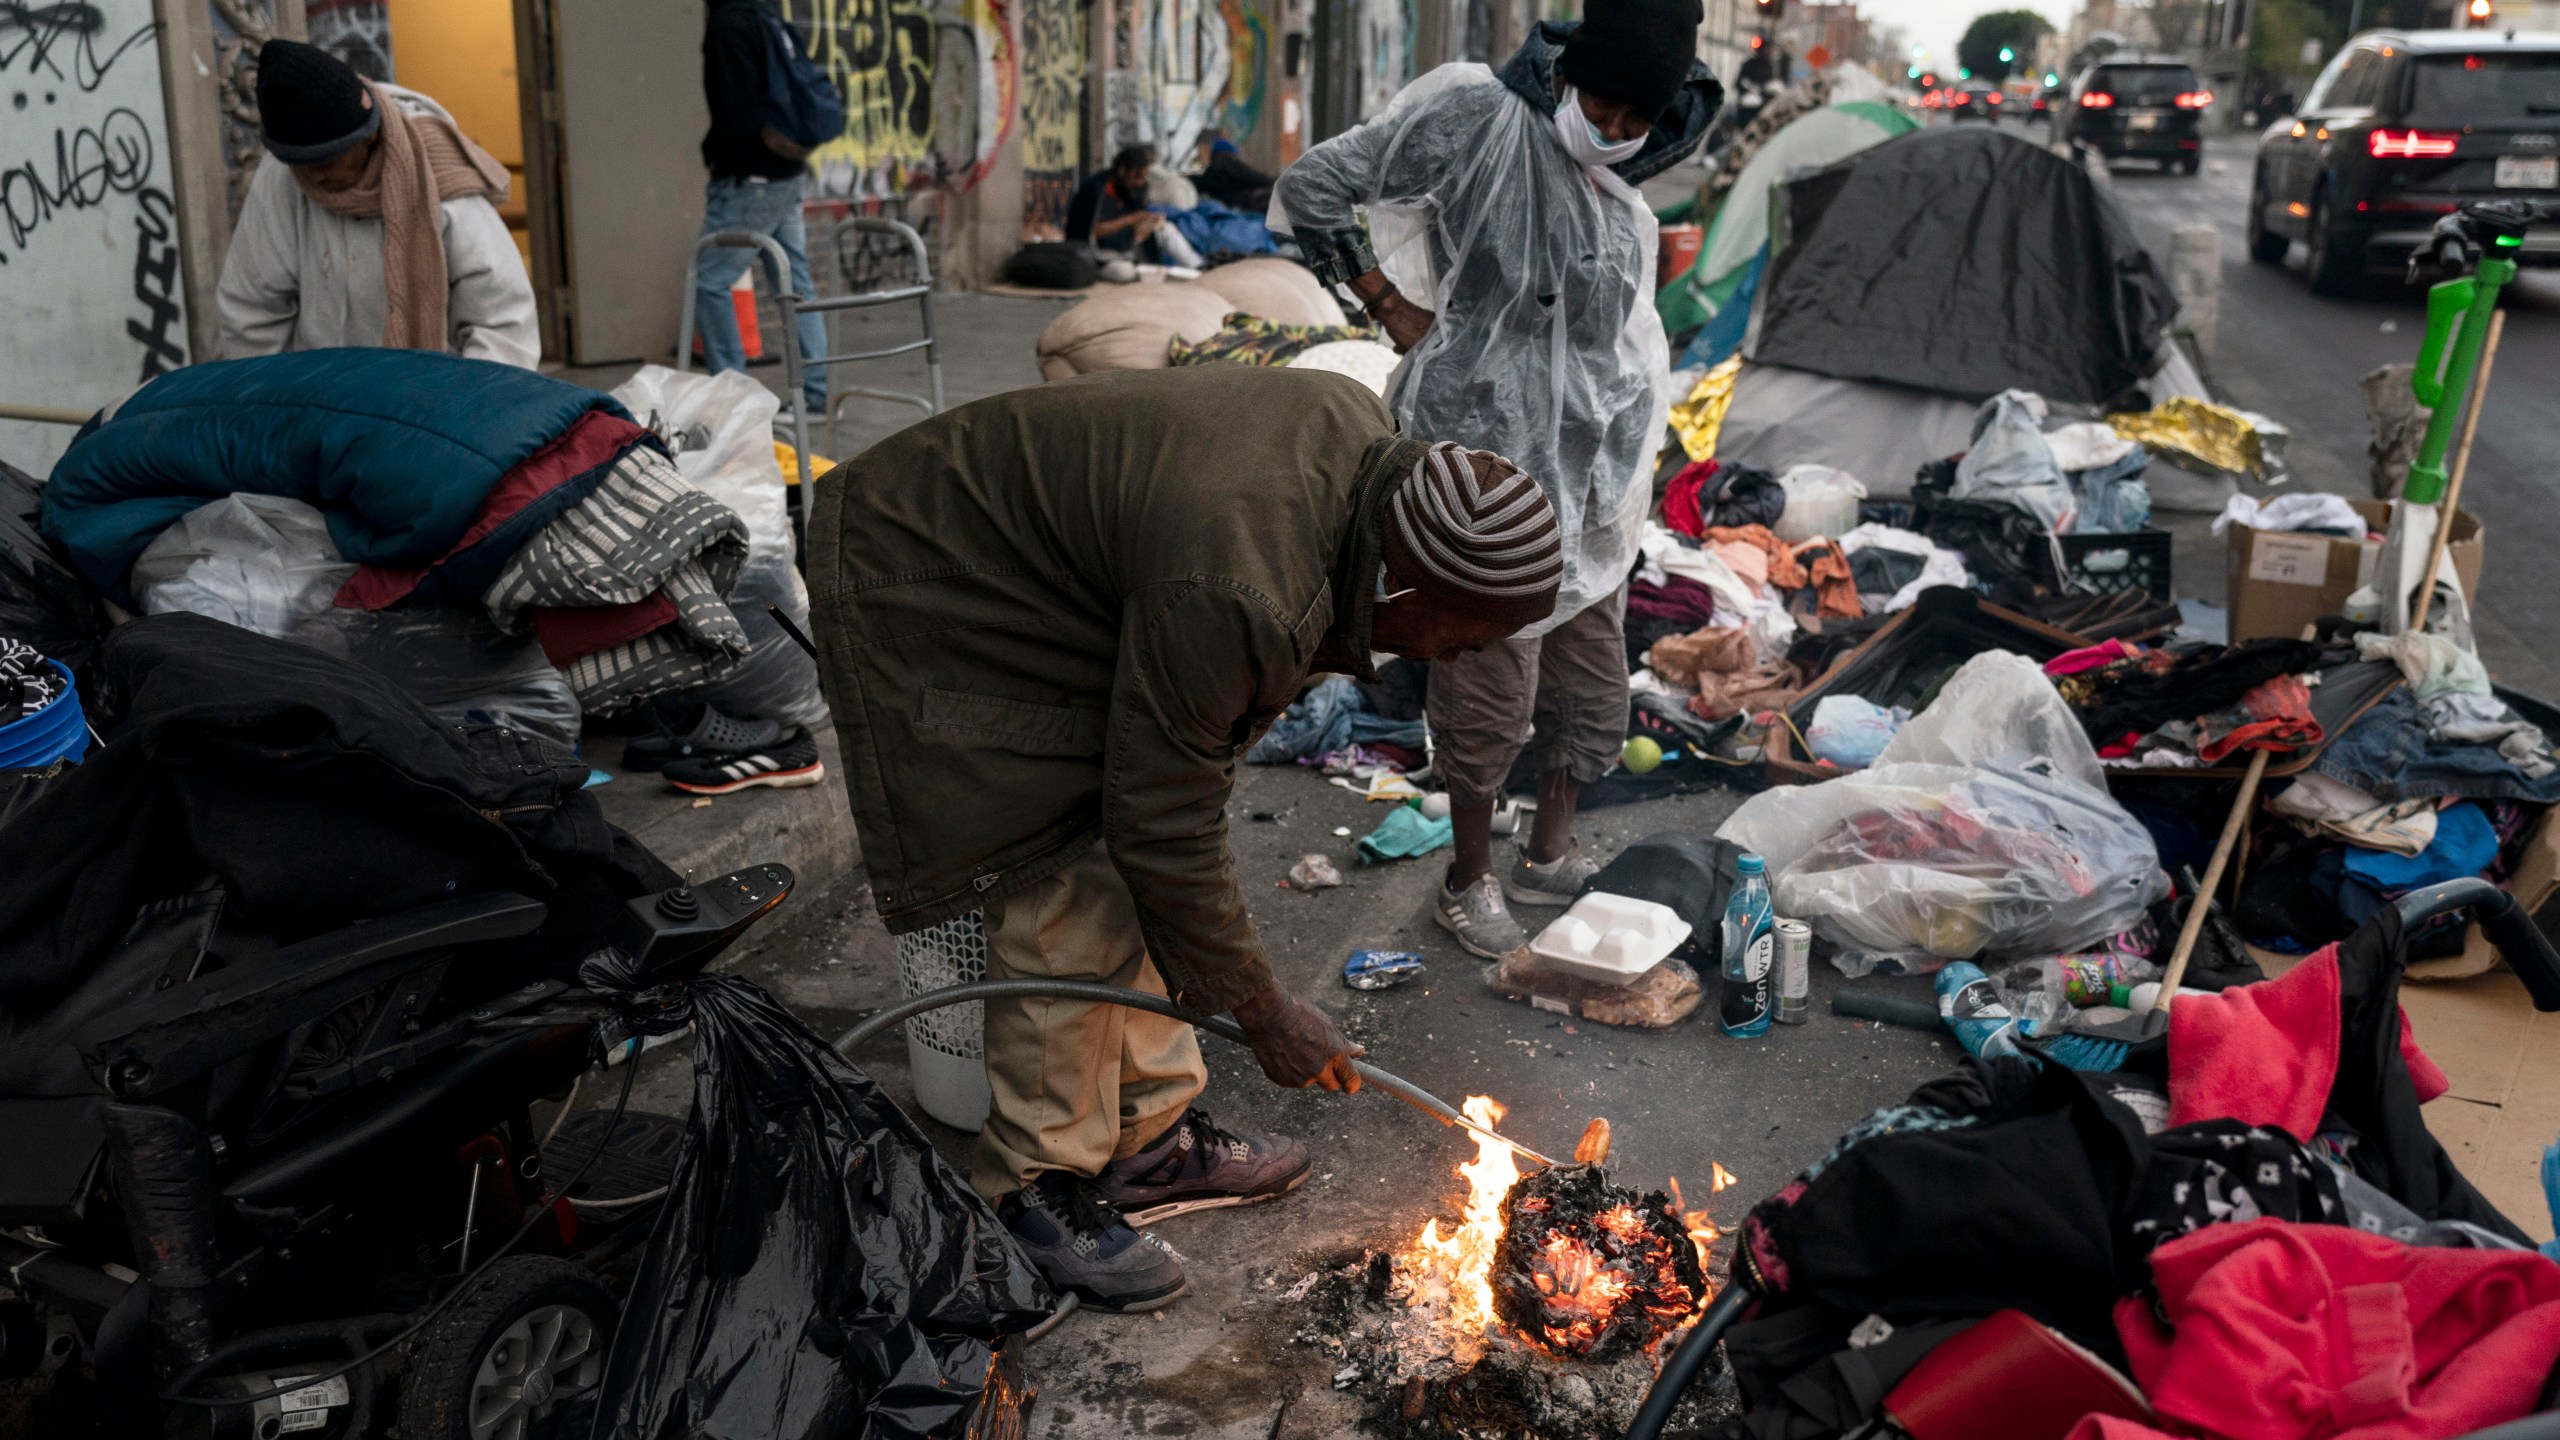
point(529, 1340)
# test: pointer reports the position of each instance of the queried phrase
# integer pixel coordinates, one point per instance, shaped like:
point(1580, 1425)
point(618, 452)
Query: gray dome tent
point(1966, 262)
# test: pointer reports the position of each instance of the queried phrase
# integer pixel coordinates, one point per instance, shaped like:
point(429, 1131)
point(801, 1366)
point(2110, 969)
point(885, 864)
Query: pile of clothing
point(1367, 737)
point(2439, 780)
point(491, 508)
point(1719, 600)
point(2194, 705)
point(2250, 1224)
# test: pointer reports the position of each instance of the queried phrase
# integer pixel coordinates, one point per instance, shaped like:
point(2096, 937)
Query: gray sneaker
point(1558, 882)
point(1196, 1165)
point(1082, 1244)
point(1477, 916)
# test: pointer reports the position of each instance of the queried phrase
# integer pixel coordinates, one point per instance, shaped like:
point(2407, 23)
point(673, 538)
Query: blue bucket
point(57, 732)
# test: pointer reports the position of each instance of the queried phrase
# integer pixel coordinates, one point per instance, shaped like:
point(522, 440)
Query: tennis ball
point(1642, 755)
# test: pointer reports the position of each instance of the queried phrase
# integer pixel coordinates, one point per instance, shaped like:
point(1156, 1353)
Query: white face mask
point(1583, 140)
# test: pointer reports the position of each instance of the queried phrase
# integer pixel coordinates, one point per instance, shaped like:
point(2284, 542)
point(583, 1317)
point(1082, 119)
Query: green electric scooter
point(2475, 248)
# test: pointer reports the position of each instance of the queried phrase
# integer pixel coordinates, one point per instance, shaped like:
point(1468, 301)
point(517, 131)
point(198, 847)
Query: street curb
point(809, 829)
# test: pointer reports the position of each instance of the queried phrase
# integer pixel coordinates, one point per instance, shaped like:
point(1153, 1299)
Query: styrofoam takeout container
point(1611, 938)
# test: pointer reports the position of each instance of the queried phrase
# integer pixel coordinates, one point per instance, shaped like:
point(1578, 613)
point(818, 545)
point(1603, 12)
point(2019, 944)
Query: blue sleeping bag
point(398, 448)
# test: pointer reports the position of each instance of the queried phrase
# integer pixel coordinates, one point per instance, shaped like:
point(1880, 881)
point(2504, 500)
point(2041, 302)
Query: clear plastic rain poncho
point(1546, 349)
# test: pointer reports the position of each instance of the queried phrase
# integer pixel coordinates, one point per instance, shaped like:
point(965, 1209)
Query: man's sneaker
point(701, 736)
point(1558, 882)
point(1082, 1244)
point(1198, 1166)
point(792, 760)
point(1477, 916)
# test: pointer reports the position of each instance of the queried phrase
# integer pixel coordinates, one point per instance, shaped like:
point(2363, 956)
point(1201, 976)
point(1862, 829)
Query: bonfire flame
point(1566, 1260)
point(1457, 1267)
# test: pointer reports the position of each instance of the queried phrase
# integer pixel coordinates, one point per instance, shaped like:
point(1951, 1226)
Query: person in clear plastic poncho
point(1508, 254)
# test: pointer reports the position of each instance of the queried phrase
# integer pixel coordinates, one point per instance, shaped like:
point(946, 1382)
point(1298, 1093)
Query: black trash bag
point(1053, 265)
point(43, 601)
point(817, 1271)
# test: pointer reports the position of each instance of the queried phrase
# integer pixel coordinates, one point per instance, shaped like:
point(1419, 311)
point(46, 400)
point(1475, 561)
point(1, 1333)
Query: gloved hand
point(1298, 1044)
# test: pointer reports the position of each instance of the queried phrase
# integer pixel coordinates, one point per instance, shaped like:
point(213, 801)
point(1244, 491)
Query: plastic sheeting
point(1967, 262)
point(266, 563)
point(1546, 350)
point(1780, 418)
point(817, 1271)
point(1984, 827)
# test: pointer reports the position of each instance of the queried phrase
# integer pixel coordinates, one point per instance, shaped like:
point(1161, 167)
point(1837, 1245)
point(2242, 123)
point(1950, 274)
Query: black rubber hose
point(1396, 1085)
point(2504, 921)
point(1682, 1368)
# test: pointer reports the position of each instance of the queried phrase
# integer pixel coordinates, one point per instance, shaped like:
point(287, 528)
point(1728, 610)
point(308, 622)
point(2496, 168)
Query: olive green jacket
point(1063, 613)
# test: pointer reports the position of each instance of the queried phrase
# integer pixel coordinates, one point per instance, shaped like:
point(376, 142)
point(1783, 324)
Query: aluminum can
point(1795, 971)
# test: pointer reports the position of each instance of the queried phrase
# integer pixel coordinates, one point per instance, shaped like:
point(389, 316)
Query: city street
point(2295, 356)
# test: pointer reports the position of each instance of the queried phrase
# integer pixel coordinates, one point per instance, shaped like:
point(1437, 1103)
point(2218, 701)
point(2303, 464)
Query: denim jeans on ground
point(2390, 755)
point(767, 207)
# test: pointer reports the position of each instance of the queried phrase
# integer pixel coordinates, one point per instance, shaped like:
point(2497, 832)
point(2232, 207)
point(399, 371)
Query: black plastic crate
point(2108, 564)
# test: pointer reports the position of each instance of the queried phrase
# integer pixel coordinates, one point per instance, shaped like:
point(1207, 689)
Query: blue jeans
point(766, 207)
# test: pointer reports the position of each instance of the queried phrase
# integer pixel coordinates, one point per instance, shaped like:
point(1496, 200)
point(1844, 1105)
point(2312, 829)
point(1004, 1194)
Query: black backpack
point(800, 103)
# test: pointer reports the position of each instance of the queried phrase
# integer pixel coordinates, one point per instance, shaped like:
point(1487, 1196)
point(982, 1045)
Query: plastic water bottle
point(1750, 944)
point(1974, 1009)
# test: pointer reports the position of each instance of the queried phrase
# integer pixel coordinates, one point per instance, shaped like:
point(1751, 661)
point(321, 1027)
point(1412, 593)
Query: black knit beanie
point(1633, 51)
point(311, 104)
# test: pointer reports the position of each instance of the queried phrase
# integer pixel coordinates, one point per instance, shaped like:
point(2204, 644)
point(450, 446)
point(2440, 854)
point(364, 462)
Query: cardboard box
point(2278, 581)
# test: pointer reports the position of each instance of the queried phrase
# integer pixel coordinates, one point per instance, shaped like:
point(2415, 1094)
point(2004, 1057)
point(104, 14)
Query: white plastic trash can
point(946, 1048)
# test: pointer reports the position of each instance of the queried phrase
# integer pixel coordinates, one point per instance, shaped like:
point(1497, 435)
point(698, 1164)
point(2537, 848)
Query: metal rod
point(1396, 1085)
point(470, 1214)
point(45, 414)
point(2461, 466)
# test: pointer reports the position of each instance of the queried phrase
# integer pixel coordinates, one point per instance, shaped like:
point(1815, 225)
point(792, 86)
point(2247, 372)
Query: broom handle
point(2222, 849)
point(2461, 464)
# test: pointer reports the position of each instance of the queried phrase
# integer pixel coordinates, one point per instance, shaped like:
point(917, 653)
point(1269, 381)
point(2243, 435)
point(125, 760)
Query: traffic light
point(2007, 55)
point(2481, 11)
point(1912, 74)
point(1965, 73)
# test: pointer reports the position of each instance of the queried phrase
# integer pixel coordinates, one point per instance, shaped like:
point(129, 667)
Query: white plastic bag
point(261, 562)
point(1984, 827)
point(1850, 731)
point(720, 428)
point(1820, 501)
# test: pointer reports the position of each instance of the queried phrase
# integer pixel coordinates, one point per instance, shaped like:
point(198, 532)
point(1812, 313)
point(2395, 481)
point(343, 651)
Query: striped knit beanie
point(1467, 528)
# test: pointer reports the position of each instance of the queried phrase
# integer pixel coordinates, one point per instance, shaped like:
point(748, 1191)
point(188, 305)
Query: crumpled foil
point(1700, 418)
point(2215, 437)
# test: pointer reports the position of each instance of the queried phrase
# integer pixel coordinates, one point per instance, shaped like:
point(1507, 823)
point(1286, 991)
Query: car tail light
point(2410, 145)
point(2096, 100)
point(2195, 100)
point(1994, 99)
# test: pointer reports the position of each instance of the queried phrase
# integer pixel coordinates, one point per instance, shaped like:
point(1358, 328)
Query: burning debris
point(1591, 1270)
point(1542, 1312)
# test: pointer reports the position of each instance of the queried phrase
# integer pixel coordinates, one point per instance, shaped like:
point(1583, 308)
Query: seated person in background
point(1226, 178)
point(377, 227)
point(1109, 212)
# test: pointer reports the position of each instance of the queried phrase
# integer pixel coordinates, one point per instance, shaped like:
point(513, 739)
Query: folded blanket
point(641, 538)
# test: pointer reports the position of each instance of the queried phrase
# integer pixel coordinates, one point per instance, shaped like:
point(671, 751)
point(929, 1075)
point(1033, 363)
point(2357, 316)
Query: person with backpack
point(770, 106)
point(377, 225)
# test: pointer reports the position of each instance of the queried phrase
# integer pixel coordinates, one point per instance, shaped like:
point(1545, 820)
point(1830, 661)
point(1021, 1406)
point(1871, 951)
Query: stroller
point(274, 1169)
point(2007, 1358)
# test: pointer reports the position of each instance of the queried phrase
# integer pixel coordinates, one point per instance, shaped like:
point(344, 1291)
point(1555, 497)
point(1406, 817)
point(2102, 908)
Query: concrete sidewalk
point(985, 348)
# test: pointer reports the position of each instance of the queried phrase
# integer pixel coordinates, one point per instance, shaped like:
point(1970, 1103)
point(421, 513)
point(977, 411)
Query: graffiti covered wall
point(90, 298)
point(1052, 46)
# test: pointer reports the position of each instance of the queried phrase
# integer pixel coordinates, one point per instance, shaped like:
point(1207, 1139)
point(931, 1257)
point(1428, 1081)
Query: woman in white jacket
point(378, 228)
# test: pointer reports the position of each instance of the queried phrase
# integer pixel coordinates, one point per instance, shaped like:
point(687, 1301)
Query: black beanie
point(311, 104)
point(1633, 51)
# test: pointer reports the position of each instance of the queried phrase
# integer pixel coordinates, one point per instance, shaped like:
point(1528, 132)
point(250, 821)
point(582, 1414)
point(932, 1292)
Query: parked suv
point(2398, 131)
point(2138, 106)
